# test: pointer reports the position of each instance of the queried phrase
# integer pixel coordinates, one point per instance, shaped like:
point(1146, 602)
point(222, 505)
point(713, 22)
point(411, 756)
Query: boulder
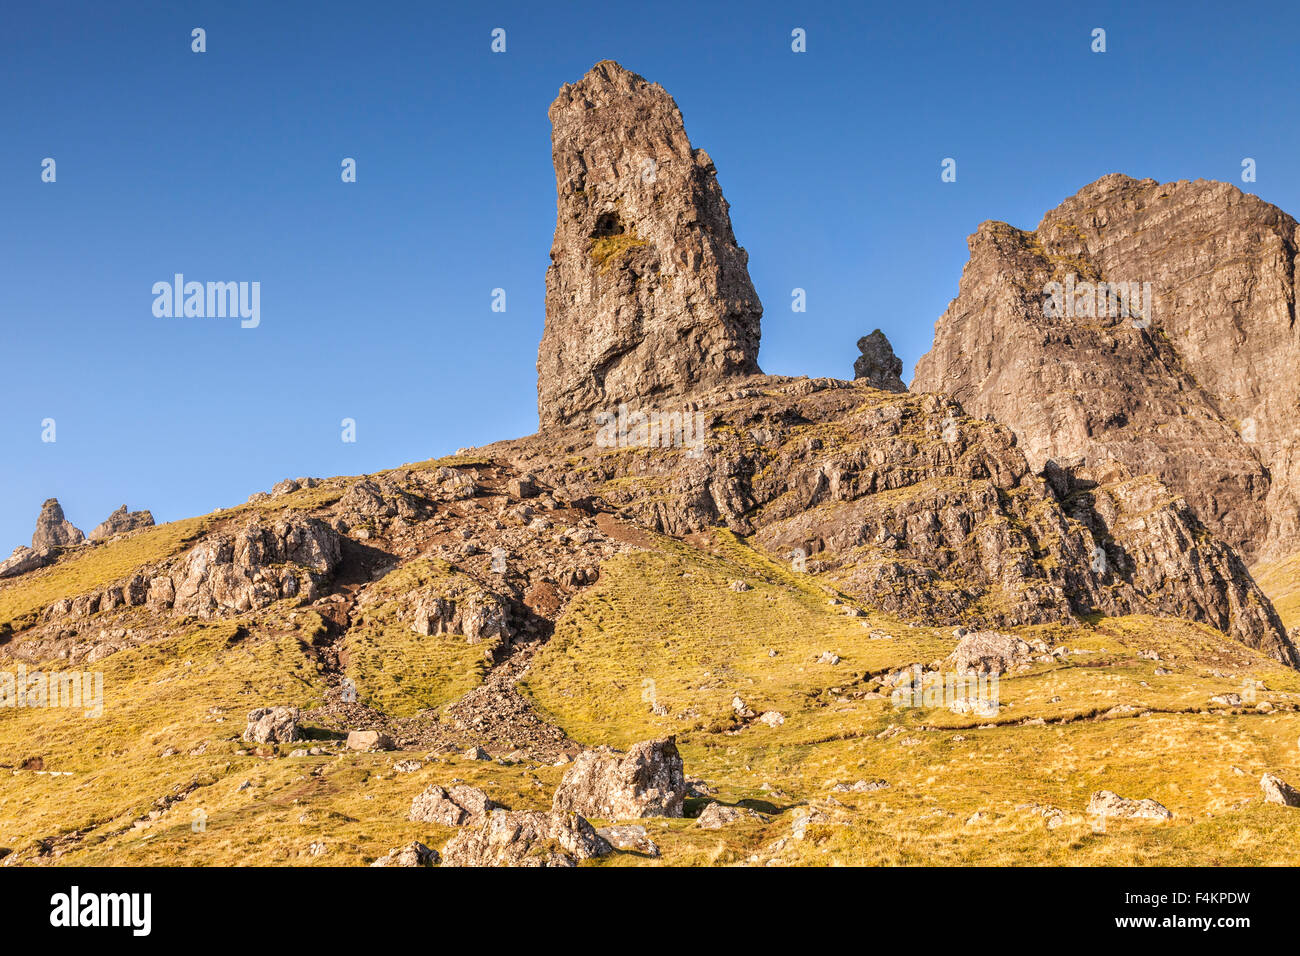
point(646, 781)
point(368, 740)
point(988, 652)
point(628, 836)
point(459, 806)
point(413, 854)
point(1278, 791)
point(1106, 803)
point(526, 838)
point(268, 725)
point(717, 815)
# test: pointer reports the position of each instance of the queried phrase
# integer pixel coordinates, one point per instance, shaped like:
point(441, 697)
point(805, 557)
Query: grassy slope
point(1281, 582)
point(670, 616)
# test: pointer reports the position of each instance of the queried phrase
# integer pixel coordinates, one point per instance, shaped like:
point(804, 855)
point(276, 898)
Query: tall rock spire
point(648, 295)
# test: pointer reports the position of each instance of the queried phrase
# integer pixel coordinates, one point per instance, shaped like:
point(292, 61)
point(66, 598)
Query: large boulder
point(526, 838)
point(119, 522)
point(648, 293)
point(646, 781)
point(459, 806)
point(988, 652)
point(271, 725)
point(53, 530)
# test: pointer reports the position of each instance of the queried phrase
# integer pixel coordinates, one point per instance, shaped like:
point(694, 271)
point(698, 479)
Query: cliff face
point(1202, 392)
point(648, 294)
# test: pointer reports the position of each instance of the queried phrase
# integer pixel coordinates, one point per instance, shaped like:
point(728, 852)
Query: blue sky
point(376, 296)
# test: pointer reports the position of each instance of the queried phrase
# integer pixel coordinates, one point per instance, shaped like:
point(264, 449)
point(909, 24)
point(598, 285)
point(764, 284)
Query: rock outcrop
point(1194, 382)
point(53, 530)
point(459, 806)
point(921, 511)
point(120, 522)
point(25, 559)
point(647, 781)
point(648, 293)
point(878, 366)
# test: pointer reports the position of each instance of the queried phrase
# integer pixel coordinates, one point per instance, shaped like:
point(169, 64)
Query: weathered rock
point(266, 561)
point(268, 725)
point(120, 522)
point(648, 293)
point(460, 608)
point(459, 806)
point(910, 506)
point(1277, 790)
point(718, 815)
point(988, 652)
point(1202, 393)
point(525, 838)
point(878, 366)
point(26, 559)
point(1106, 803)
point(368, 740)
point(413, 854)
point(647, 781)
point(53, 530)
point(630, 837)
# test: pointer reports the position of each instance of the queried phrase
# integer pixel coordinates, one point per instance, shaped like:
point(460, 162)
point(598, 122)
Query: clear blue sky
point(376, 295)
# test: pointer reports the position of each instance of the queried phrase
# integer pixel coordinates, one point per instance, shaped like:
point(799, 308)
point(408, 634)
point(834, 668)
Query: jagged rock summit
point(120, 522)
point(53, 530)
point(648, 294)
point(1201, 392)
point(878, 366)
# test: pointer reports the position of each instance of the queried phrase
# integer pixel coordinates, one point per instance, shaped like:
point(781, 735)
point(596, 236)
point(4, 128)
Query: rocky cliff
point(648, 293)
point(1149, 324)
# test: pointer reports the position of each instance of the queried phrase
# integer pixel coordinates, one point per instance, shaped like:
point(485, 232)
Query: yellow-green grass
point(399, 671)
point(669, 615)
point(1280, 580)
point(155, 696)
